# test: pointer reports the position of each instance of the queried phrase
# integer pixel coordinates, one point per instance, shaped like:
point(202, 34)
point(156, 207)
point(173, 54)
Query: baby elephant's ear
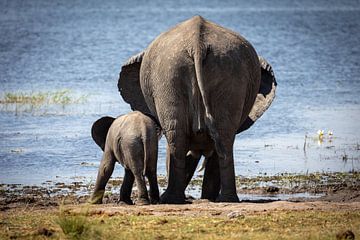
point(264, 97)
point(100, 129)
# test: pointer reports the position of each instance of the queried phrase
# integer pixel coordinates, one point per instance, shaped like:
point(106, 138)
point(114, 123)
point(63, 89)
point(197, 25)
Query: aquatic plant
point(321, 136)
point(62, 97)
point(320, 133)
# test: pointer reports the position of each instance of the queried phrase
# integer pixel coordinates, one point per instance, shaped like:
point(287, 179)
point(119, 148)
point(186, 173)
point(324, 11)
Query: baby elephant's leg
point(126, 187)
point(105, 170)
point(151, 168)
point(154, 189)
point(143, 198)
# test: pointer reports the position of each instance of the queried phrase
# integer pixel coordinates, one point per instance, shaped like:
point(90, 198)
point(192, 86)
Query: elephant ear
point(264, 97)
point(100, 129)
point(129, 83)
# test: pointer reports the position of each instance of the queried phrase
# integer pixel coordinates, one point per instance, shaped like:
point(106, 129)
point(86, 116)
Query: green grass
point(309, 224)
point(76, 227)
point(62, 97)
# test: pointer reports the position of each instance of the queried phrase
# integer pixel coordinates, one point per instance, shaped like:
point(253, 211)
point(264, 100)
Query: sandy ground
point(337, 195)
point(345, 199)
point(204, 208)
point(32, 212)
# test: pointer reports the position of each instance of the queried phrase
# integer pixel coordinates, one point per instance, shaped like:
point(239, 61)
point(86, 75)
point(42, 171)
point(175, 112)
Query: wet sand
point(335, 188)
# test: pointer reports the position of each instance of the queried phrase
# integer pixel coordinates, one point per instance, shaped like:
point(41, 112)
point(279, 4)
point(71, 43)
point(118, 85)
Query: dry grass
point(309, 224)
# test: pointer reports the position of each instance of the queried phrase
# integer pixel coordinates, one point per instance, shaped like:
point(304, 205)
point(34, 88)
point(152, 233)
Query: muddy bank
point(334, 187)
point(329, 207)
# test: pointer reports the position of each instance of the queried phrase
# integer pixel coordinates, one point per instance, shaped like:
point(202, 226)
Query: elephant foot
point(155, 200)
point(125, 201)
point(168, 198)
point(210, 199)
point(211, 196)
point(94, 201)
point(227, 198)
point(96, 198)
point(142, 201)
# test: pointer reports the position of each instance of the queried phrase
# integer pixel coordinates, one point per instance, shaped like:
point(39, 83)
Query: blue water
point(313, 47)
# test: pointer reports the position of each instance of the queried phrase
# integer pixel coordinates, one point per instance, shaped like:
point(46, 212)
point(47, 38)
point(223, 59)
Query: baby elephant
point(131, 140)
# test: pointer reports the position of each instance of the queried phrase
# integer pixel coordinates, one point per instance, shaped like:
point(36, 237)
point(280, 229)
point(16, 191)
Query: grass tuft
point(74, 227)
point(77, 227)
point(63, 97)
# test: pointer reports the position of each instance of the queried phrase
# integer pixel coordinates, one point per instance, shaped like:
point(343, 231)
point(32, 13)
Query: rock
point(235, 214)
point(348, 235)
point(272, 189)
point(45, 232)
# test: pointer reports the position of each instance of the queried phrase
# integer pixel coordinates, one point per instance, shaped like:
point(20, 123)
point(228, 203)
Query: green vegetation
point(309, 224)
point(62, 97)
point(76, 227)
point(73, 226)
point(311, 181)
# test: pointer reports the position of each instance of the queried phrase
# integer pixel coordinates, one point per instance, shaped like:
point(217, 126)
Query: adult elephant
point(199, 81)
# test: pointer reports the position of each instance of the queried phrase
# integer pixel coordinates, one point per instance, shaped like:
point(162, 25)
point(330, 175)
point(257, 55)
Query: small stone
point(348, 235)
point(235, 214)
point(272, 189)
point(45, 232)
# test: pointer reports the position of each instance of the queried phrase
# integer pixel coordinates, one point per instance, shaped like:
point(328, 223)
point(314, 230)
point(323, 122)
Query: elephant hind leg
point(211, 181)
point(154, 188)
point(227, 171)
point(177, 147)
point(126, 187)
point(143, 198)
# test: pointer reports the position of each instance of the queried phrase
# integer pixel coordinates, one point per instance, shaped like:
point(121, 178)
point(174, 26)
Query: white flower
point(320, 133)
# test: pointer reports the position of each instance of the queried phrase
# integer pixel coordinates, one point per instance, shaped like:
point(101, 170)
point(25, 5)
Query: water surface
point(313, 47)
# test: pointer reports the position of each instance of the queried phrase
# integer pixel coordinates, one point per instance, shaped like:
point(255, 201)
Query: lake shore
point(338, 187)
point(331, 207)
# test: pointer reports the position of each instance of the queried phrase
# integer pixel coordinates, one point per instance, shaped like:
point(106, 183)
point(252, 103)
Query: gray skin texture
point(211, 183)
point(132, 141)
point(200, 81)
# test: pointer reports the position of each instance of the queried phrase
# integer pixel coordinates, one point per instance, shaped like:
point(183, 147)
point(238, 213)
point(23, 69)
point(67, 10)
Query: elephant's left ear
point(100, 129)
point(129, 83)
point(264, 97)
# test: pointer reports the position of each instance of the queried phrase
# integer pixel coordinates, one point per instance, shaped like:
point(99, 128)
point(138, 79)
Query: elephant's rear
point(135, 140)
point(230, 72)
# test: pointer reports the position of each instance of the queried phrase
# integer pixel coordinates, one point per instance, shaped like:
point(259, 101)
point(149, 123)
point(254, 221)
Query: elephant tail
point(146, 143)
point(199, 56)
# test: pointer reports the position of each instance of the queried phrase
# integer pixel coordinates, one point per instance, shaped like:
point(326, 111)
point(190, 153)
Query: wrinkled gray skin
point(211, 185)
point(131, 140)
point(200, 81)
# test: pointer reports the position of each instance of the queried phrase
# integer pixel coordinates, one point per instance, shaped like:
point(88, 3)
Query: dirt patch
point(202, 208)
